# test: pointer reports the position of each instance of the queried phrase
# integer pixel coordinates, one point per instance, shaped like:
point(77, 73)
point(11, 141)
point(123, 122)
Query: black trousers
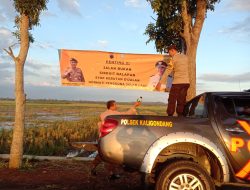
point(178, 93)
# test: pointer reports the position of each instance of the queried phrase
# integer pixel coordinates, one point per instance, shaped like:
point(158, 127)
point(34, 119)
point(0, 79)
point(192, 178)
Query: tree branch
point(10, 52)
point(200, 18)
point(14, 45)
point(186, 23)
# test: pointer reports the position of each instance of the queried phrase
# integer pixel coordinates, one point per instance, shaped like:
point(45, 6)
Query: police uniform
point(75, 75)
point(181, 83)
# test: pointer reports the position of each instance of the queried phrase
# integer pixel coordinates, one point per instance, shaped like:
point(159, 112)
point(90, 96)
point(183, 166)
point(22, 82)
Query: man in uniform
point(178, 91)
point(73, 73)
point(154, 79)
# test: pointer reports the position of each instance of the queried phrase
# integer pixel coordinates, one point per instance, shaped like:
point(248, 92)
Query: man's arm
point(82, 77)
point(132, 110)
point(66, 73)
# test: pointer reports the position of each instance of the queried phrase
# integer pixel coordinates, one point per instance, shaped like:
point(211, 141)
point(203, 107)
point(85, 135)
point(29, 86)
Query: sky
point(223, 55)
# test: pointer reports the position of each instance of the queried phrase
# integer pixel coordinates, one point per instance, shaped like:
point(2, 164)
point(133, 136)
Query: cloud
point(240, 30)
point(6, 73)
point(5, 58)
point(39, 74)
point(36, 65)
point(47, 13)
point(43, 45)
point(32, 64)
point(6, 69)
point(135, 3)
point(239, 27)
point(239, 5)
point(7, 11)
point(2, 18)
point(215, 77)
point(70, 6)
point(41, 84)
point(30, 73)
point(35, 72)
point(6, 39)
point(4, 66)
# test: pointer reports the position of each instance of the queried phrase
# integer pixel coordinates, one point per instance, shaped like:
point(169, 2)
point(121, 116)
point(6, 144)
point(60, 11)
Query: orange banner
point(110, 69)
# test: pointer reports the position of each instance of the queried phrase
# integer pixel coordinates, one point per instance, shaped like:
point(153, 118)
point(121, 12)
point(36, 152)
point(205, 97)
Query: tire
point(184, 175)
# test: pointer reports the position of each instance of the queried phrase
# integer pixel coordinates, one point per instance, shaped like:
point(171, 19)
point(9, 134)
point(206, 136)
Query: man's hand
point(69, 69)
point(136, 104)
point(167, 90)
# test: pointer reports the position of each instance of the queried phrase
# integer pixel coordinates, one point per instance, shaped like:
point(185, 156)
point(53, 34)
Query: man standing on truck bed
point(178, 92)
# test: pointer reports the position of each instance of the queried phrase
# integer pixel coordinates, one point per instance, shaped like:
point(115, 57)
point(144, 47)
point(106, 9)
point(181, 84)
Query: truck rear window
point(237, 106)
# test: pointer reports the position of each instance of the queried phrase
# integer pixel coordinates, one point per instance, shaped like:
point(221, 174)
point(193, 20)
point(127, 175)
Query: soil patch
point(65, 175)
point(70, 175)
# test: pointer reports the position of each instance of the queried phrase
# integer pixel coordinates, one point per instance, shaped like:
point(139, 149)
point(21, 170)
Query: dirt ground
point(65, 175)
point(69, 175)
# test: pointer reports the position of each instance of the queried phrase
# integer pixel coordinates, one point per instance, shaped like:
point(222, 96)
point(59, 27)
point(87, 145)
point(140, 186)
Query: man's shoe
point(114, 176)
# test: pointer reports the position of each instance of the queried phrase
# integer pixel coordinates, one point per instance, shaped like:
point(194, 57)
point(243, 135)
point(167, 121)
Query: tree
point(180, 22)
point(28, 17)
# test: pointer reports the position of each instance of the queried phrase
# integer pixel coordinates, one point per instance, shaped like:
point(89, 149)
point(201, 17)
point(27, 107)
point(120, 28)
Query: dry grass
point(51, 125)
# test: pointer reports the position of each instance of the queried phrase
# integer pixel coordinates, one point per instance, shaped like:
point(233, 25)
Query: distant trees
point(28, 16)
point(180, 22)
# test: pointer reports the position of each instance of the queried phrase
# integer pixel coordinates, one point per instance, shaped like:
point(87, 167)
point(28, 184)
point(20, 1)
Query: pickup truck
point(208, 147)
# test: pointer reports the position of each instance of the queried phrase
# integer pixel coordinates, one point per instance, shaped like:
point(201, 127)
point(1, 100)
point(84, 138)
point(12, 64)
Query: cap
point(73, 59)
point(161, 64)
point(171, 47)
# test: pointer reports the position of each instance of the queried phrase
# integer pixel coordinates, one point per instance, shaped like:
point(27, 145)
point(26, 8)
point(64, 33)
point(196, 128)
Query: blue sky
point(223, 57)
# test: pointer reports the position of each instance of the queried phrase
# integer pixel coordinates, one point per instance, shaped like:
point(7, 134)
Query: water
point(43, 117)
point(6, 125)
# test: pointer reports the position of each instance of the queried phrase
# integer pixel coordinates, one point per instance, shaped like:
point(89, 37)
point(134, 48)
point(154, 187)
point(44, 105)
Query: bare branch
point(14, 45)
point(10, 52)
point(153, 18)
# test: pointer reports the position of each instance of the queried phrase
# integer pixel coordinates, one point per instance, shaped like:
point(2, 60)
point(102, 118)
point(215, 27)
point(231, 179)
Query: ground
point(68, 175)
point(65, 175)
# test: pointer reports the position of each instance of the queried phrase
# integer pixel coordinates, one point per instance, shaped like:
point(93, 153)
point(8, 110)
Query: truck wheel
point(184, 175)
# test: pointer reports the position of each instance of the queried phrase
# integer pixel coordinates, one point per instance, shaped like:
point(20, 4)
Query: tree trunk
point(191, 53)
point(191, 35)
point(16, 152)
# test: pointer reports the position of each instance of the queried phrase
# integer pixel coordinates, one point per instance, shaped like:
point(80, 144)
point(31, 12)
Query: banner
point(111, 69)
